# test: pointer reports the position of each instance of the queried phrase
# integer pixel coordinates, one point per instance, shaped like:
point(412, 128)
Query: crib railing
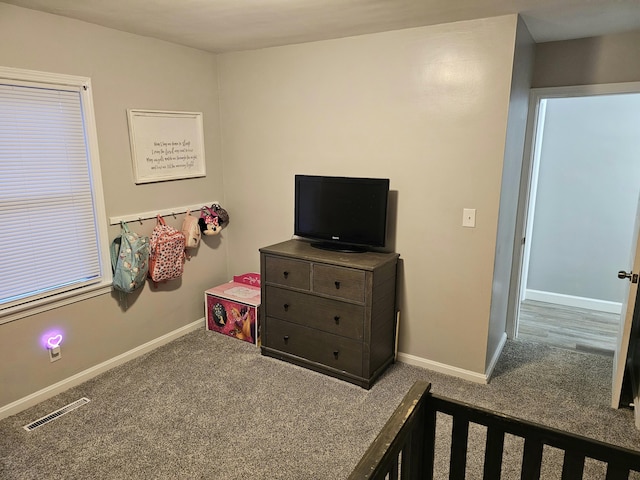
point(404, 449)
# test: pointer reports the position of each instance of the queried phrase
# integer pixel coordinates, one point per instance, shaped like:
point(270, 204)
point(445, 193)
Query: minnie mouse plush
point(212, 219)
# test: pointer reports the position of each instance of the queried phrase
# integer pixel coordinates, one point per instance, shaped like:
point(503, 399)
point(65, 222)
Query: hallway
point(568, 327)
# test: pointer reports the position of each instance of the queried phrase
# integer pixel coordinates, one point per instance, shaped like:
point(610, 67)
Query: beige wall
point(588, 61)
point(425, 107)
point(127, 71)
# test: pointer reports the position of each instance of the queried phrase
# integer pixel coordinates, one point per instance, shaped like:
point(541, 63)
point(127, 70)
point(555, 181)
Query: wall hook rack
point(167, 212)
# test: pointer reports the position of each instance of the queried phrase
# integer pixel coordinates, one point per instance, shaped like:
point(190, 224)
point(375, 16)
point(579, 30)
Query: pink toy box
point(232, 308)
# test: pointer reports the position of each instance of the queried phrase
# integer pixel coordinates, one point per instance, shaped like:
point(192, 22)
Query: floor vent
point(56, 414)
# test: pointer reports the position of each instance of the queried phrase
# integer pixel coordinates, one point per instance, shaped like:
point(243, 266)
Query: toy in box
point(232, 308)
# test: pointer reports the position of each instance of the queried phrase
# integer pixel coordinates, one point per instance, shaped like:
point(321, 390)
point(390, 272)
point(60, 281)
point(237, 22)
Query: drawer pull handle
point(335, 354)
point(337, 285)
point(286, 307)
point(285, 274)
point(286, 339)
point(337, 319)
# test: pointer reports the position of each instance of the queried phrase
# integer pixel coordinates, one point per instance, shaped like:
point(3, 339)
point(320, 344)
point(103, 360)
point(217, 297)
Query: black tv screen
point(342, 213)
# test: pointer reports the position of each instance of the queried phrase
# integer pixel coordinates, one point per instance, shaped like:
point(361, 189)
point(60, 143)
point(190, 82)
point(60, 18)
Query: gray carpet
point(211, 407)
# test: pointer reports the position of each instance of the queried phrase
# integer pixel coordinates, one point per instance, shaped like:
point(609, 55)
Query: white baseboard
point(573, 301)
point(455, 371)
point(78, 378)
point(495, 357)
point(442, 368)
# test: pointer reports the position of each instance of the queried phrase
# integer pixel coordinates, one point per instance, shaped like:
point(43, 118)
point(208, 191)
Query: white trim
point(520, 262)
point(442, 368)
point(573, 301)
point(54, 301)
point(455, 371)
point(536, 95)
point(78, 378)
point(91, 131)
point(61, 296)
point(585, 90)
point(495, 357)
point(533, 190)
point(19, 74)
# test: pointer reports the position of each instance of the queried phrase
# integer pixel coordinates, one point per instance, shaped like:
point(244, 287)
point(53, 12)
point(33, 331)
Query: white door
point(624, 357)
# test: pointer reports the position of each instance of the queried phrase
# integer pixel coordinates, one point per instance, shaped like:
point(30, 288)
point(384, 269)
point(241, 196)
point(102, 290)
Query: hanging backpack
point(223, 216)
point(129, 260)
point(191, 231)
point(167, 253)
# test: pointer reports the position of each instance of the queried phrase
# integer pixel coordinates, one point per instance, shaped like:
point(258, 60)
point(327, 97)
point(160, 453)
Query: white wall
point(505, 262)
point(587, 196)
point(426, 107)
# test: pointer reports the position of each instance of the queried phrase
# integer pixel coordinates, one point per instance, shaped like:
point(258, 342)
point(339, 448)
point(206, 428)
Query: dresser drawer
point(339, 282)
point(330, 350)
point(287, 272)
point(333, 316)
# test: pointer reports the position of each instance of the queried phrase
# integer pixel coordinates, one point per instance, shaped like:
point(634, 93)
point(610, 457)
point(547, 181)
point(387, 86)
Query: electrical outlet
point(55, 354)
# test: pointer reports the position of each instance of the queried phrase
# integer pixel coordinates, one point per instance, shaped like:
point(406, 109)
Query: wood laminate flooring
point(568, 327)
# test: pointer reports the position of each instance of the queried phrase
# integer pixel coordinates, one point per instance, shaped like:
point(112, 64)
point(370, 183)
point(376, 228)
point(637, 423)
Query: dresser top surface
point(303, 250)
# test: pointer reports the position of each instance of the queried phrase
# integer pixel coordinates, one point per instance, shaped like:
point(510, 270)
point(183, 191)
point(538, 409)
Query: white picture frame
point(166, 145)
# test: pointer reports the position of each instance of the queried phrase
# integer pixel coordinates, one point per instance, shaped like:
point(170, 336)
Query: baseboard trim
point(573, 301)
point(442, 368)
point(78, 378)
point(495, 357)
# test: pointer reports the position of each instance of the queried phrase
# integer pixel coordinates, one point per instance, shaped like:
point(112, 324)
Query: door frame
point(626, 344)
point(530, 156)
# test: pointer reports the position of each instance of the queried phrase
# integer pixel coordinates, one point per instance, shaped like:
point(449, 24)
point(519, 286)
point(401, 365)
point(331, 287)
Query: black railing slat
point(493, 451)
point(617, 472)
point(393, 473)
point(429, 441)
point(573, 465)
point(531, 459)
point(413, 463)
point(459, 441)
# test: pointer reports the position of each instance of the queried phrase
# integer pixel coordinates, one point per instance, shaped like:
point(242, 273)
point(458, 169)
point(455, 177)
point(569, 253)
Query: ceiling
point(231, 25)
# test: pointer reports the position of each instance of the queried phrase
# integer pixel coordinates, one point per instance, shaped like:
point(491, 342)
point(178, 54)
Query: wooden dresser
point(329, 311)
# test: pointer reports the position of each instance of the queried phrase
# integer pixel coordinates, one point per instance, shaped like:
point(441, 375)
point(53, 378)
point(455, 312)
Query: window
point(53, 240)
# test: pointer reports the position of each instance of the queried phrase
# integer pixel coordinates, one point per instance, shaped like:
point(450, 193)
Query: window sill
point(44, 304)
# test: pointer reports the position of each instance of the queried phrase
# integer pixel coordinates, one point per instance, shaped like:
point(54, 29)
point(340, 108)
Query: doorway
point(582, 191)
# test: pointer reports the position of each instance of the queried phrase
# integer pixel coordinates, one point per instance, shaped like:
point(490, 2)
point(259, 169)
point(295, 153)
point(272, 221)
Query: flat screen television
point(348, 214)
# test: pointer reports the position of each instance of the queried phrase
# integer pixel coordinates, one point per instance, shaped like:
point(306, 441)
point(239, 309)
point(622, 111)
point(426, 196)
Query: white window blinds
point(49, 240)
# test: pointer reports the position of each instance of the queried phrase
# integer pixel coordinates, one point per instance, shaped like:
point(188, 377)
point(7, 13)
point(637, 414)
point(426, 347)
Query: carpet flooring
point(206, 406)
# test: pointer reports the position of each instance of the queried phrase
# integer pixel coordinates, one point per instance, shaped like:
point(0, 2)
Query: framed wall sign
point(166, 145)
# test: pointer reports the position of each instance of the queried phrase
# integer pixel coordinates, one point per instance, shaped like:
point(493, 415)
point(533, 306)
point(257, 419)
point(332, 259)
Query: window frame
point(30, 305)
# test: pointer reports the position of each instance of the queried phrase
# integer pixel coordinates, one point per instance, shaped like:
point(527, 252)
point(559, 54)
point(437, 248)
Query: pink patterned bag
point(166, 261)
